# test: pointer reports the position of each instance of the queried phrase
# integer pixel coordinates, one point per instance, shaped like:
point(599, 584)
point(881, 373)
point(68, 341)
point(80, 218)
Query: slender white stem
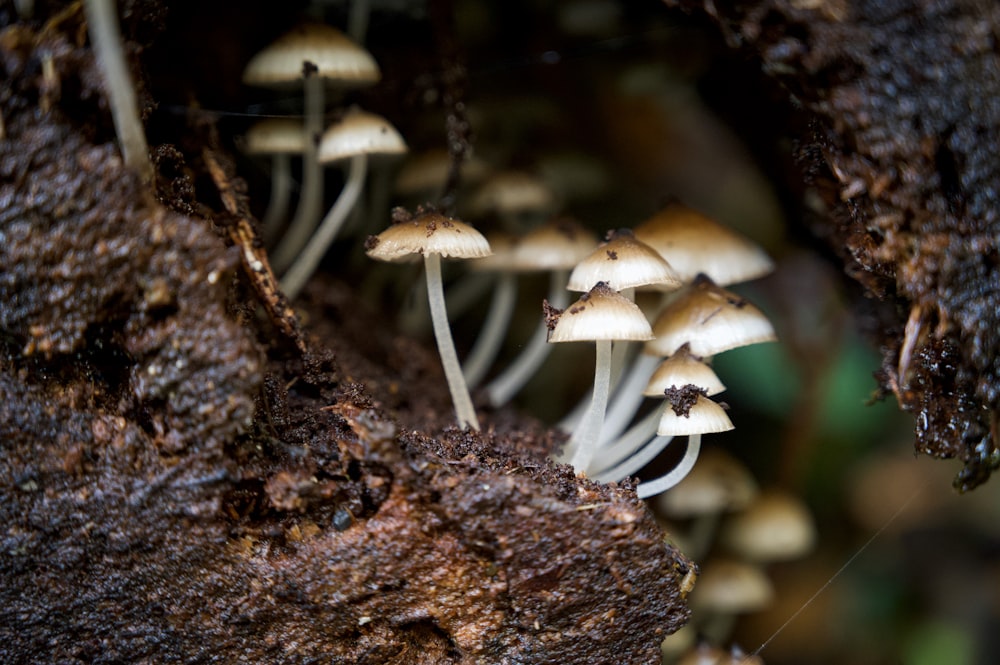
point(675, 475)
point(628, 396)
point(281, 190)
point(609, 455)
point(583, 443)
point(494, 329)
point(507, 384)
point(462, 294)
point(311, 197)
point(464, 410)
point(303, 268)
point(102, 22)
point(632, 464)
point(572, 420)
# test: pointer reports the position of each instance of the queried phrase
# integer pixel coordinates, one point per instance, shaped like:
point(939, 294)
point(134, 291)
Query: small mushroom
point(601, 315)
point(433, 235)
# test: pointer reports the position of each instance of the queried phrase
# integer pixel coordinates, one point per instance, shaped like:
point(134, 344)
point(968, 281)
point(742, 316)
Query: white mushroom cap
point(775, 527)
point(623, 262)
point(336, 58)
point(559, 244)
point(717, 482)
point(276, 136)
point(512, 192)
point(360, 133)
point(694, 243)
point(731, 587)
point(428, 172)
point(600, 314)
point(703, 417)
point(710, 319)
point(429, 232)
point(682, 369)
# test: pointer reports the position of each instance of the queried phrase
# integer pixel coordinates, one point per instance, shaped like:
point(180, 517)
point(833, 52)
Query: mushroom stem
point(675, 475)
point(464, 410)
point(583, 443)
point(311, 196)
point(102, 22)
point(571, 421)
point(628, 397)
point(494, 329)
point(357, 20)
point(613, 454)
point(305, 265)
point(634, 462)
point(507, 384)
point(281, 189)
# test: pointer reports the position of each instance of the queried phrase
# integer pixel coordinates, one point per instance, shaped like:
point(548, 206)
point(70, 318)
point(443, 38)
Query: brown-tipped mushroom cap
point(600, 314)
point(682, 369)
point(694, 243)
point(429, 232)
point(276, 136)
point(711, 319)
point(775, 527)
point(731, 587)
point(623, 262)
point(334, 55)
point(360, 133)
point(718, 482)
point(559, 244)
point(702, 417)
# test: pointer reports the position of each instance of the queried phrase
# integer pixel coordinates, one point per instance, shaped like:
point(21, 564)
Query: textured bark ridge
point(174, 486)
point(899, 135)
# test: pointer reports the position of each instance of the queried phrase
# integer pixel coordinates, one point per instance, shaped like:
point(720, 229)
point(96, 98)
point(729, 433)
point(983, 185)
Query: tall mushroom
point(356, 137)
point(280, 138)
point(310, 54)
point(601, 315)
point(432, 235)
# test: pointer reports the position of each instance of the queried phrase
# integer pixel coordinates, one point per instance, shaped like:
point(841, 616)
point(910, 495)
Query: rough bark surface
point(897, 109)
point(175, 487)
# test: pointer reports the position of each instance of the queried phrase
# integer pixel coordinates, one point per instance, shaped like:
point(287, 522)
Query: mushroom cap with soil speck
point(428, 232)
point(360, 133)
point(702, 417)
point(681, 369)
point(601, 314)
point(333, 54)
point(623, 262)
point(693, 243)
point(710, 319)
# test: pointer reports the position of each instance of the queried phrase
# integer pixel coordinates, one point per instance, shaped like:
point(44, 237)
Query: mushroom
point(726, 588)
point(694, 243)
point(678, 370)
point(556, 246)
point(357, 136)
point(102, 23)
point(433, 235)
point(280, 138)
point(600, 315)
point(311, 53)
point(776, 526)
point(624, 263)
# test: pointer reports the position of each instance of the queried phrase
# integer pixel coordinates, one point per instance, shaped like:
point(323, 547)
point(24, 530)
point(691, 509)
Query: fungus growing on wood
point(279, 138)
point(601, 315)
point(311, 55)
point(433, 235)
